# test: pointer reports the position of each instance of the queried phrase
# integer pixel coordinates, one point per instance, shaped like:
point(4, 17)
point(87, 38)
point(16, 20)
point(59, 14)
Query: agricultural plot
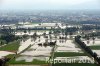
point(33, 51)
point(94, 45)
point(70, 51)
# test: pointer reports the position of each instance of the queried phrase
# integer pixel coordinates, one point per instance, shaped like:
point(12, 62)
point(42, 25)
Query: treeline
point(8, 38)
point(47, 44)
point(87, 49)
point(92, 34)
point(7, 35)
point(90, 27)
point(72, 29)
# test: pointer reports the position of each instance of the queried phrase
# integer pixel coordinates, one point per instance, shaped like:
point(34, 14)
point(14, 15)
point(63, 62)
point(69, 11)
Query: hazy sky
point(48, 4)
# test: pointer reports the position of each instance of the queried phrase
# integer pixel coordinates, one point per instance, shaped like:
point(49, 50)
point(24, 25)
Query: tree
point(93, 38)
point(6, 31)
point(50, 36)
point(44, 34)
point(3, 61)
point(2, 42)
point(8, 38)
point(34, 36)
point(25, 31)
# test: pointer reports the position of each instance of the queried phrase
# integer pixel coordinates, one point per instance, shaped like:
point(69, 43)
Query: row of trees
point(47, 44)
point(94, 34)
point(90, 27)
point(8, 38)
point(87, 49)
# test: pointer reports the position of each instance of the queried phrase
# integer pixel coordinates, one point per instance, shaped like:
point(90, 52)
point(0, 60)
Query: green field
point(68, 54)
point(13, 61)
point(95, 47)
point(12, 46)
point(38, 62)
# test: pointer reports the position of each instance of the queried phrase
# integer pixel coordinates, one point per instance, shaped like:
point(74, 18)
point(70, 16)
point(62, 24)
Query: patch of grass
point(12, 46)
point(13, 61)
point(95, 47)
point(68, 54)
point(10, 56)
point(37, 62)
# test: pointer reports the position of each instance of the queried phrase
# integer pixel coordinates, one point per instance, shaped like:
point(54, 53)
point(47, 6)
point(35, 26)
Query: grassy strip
point(68, 54)
point(95, 47)
point(38, 62)
point(10, 56)
point(13, 61)
point(12, 46)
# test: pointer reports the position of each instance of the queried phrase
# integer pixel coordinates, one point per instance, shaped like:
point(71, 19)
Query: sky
point(49, 4)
